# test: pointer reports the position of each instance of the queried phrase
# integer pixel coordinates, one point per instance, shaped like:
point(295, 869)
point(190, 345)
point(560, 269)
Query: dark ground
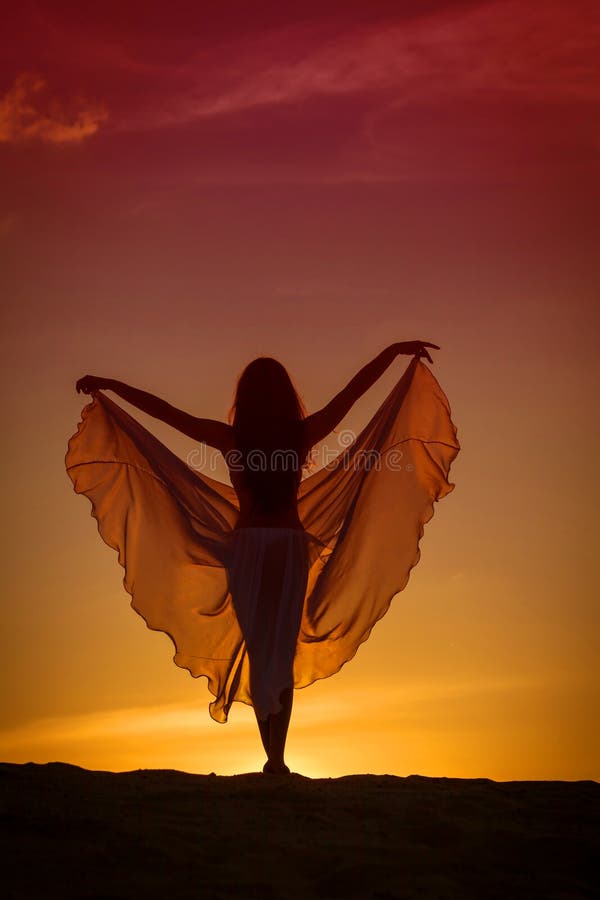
point(71, 833)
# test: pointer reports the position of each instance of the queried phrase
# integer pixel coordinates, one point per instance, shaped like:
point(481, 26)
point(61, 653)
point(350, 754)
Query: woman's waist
point(286, 522)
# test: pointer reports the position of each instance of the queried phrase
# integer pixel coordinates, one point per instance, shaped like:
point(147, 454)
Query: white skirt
point(267, 570)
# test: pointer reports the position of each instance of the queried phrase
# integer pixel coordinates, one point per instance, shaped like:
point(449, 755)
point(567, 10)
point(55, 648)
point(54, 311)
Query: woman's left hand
point(90, 383)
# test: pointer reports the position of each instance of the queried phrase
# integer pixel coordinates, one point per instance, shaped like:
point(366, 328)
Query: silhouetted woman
point(266, 444)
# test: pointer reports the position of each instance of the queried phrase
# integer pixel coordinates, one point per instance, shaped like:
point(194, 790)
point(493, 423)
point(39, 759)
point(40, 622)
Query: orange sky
point(180, 195)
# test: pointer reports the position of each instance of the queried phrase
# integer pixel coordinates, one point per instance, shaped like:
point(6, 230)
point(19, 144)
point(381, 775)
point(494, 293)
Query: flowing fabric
point(267, 570)
point(174, 530)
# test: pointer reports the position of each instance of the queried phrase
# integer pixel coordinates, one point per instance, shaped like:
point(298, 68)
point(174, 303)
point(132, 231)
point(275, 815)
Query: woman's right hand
point(417, 348)
point(90, 383)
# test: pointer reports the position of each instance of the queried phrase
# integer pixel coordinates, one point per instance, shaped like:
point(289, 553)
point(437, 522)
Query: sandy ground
point(71, 833)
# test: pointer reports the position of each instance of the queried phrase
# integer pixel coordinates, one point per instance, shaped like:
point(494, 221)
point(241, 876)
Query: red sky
point(186, 186)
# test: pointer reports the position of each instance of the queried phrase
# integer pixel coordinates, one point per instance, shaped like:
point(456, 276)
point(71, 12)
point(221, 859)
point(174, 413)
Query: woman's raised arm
point(321, 423)
point(209, 431)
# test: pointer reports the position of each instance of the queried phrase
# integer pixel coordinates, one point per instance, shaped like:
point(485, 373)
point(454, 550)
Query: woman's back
point(265, 467)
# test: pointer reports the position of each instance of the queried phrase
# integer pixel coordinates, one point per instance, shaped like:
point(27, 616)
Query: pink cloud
point(544, 50)
point(541, 52)
point(27, 112)
point(454, 90)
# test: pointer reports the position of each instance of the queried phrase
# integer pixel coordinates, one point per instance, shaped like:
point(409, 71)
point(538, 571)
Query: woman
point(265, 445)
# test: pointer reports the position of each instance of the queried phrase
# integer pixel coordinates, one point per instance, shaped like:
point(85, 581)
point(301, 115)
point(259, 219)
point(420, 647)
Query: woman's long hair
point(266, 416)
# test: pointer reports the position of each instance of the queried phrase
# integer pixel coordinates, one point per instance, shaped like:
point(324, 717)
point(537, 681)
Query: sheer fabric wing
point(169, 525)
point(369, 510)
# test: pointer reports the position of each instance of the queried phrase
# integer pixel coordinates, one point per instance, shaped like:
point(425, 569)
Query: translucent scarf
point(171, 525)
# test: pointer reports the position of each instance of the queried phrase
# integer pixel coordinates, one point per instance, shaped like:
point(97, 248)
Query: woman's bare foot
point(270, 768)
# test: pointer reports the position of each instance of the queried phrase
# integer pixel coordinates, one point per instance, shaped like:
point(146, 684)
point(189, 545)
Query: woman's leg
point(255, 585)
point(273, 731)
point(278, 725)
point(265, 730)
point(262, 641)
point(293, 594)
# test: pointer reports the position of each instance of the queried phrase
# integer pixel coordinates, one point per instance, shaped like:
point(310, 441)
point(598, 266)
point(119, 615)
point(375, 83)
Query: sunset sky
point(186, 186)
